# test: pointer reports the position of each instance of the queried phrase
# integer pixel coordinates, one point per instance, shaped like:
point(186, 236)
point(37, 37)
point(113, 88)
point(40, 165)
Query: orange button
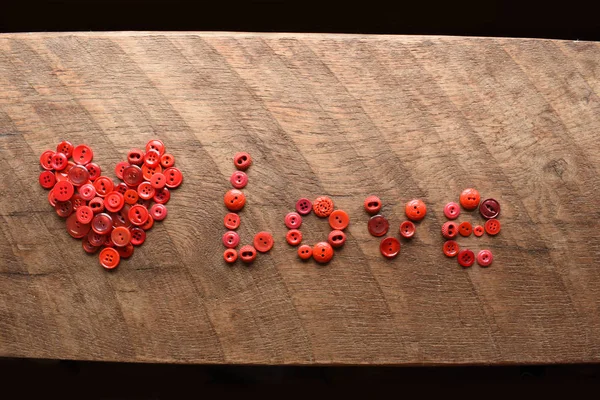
point(415, 210)
point(339, 220)
point(465, 228)
point(492, 226)
point(322, 252)
point(109, 258)
point(234, 200)
point(305, 252)
point(104, 185)
point(120, 236)
point(167, 160)
point(294, 237)
point(131, 196)
point(263, 241)
point(323, 206)
point(469, 199)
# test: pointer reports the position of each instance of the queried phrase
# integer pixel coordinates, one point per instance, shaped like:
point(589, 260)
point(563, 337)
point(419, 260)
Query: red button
point(174, 177)
point(465, 228)
point(138, 236)
point(323, 206)
point(59, 161)
point(120, 168)
point(104, 185)
point(263, 242)
point(148, 172)
point(87, 191)
point(131, 196)
point(451, 248)
point(452, 210)
point(389, 247)
point(305, 252)
point(372, 204)
point(76, 228)
point(51, 198)
point(158, 212)
point(77, 201)
point(167, 160)
point(492, 226)
point(322, 252)
point(478, 230)
point(135, 157)
point(415, 210)
point(61, 176)
point(146, 191)
point(63, 208)
point(162, 196)
point(97, 204)
point(378, 225)
point(242, 161)
point(84, 214)
point(120, 236)
point(239, 179)
point(293, 220)
point(466, 258)
point(303, 206)
point(47, 179)
point(132, 175)
point(489, 208)
point(66, 148)
point(157, 145)
point(94, 171)
point(485, 258)
point(63, 191)
point(109, 258)
point(232, 221)
point(158, 180)
point(407, 229)
point(46, 159)
point(449, 230)
point(121, 218)
point(138, 214)
point(339, 220)
point(247, 254)
point(294, 237)
point(79, 175)
point(114, 201)
point(152, 158)
point(336, 238)
point(87, 246)
point(121, 188)
point(234, 200)
point(148, 224)
point(96, 239)
point(102, 223)
point(230, 255)
point(469, 199)
point(125, 252)
point(82, 154)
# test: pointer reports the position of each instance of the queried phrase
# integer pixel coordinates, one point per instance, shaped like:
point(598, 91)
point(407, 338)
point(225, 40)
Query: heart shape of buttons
point(108, 217)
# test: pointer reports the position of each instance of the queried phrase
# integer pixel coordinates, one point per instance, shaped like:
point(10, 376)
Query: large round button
point(230, 255)
point(293, 237)
point(84, 214)
point(234, 200)
point(146, 191)
point(114, 201)
point(63, 191)
point(469, 199)
point(263, 242)
point(305, 252)
point(94, 170)
point(162, 196)
point(303, 206)
point(239, 179)
point(104, 185)
point(293, 220)
point(242, 160)
point(339, 220)
point(478, 230)
point(485, 258)
point(87, 191)
point(132, 175)
point(158, 212)
point(465, 228)
point(322, 252)
point(492, 226)
point(323, 206)
point(415, 210)
point(46, 160)
point(63, 208)
point(174, 177)
point(407, 229)
point(231, 239)
point(138, 214)
point(109, 258)
point(120, 236)
point(489, 208)
point(59, 161)
point(138, 236)
point(47, 179)
point(247, 253)
point(378, 225)
point(102, 224)
point(372, 204)
point(232, 221)
point(452, 210)
point(76, 228)
point(466, 258)
point(82, 154)
point(152, 158)
point(451, 248)
point(135, 157)
point(389, 247)
point(449, 230)
point(156, 144)
point(336, 238)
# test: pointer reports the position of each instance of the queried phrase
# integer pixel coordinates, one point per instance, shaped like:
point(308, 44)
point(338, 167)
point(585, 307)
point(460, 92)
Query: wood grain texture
point(346, 116)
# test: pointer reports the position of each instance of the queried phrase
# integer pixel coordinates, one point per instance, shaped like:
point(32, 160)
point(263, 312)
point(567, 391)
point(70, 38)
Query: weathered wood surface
point(347, 116)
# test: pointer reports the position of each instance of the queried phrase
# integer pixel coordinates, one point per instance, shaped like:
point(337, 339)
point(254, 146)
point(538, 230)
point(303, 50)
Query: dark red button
point(478, 230)
point(84, 214)
point(174, 177)
point(104, 185)
point(415, 210)
point(63, 208)
point(466, 258)
point(492, 226)
point(232, 221)
point(230, 255)
point(102, 224)
point(96, 239)
point(63, 191)
point(323, 206)
point(158, 180)
point(94, 171)
point(162, 196)
point(305, 252)
point(489, 208)
point(46, 159)
point(132, 175)
point(372, 204)
point(66, 148)
point(469, 199)
point(303, 206)
point(87, 246)
point(152, 158)
point(125, 252)
point(485, 258)
point(47, 179)
point(389, 247)
point(87, 191)
point(79, 175)
point(121, 188)
point(239, 179)
point(77, 201)
point(120, 168)
point(82, 154)
point(59, 161)
point(135, 157)
point(97, 204)
point(242, 161)
point(158, 212)
point(263, 242)
point(451, 248)
point(465, 228)
point(114, 201)
point(450, 230)
point(452, 210)
point(76, 228)
point(339, 220)
point(138, 214)
point(322, 252)
point(336, 238)
point(294, 237)
point(407, 229)
point(293, 220)
point(247, 254)
point(109, 258)
point(378, 225)
point(121, 217)
point(120, 236)
point(138, 236)
point(234, 200)
point(146, 191)
point(167, 160)
point(157, 145)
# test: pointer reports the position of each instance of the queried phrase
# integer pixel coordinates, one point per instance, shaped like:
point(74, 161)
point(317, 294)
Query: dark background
point(572, 20)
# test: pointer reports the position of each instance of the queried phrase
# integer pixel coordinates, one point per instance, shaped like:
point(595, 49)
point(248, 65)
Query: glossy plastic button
point(152, 158)
point(135, 157)
point(148, 224)
point(239, 179)
point(162, 196)
point(304, 206)
point(148, 172)
point(138, 236)
point(109, 258)
point(234, 200)
point(158, 212)
point(465, 228)
point(322, 252)
point(247, 254)
point(120, 167)
point(485, 258)
point(114, 201)
point(51, 198)
point(132, 175)
point(372, 204)
point(96, 239)
point(294, 237)
point(489, 208)
point(230, 255)
point(63, 208)
point(336, 238)
point(339, 220)
point(104, 185)
point(449, 230)
point(59, 161)
point(263, 242)
point(469, 199)
point(323, 206)
point(305, 252)
point(492, 226)
point(146, 191)
point(466, 258)
point(242, 161)
point(158, 180)
point(121, 217)
point(78, 175)
point(230, 239)
point(451, 248)
point(389, 247)
point(120, 236)
point(77, 201)
point(232, 221)
point(88, 247)
point(82, 154)
point(478, 230)
point(293, 220)
point(157, 145)
point(415, 210)
point(452, 210)
point(76, 228)
point(407, 229)
point(131, 196)
point(138, 214)
point(102, 223)
point(84, 214)
point(167, 160)
point(47, 179)
point(63, 191)
point(66, 148)
point(378, 225)
point(174, 177)
point(125, 252)
point(97, 204)
point(87, 191)
point(46, 160)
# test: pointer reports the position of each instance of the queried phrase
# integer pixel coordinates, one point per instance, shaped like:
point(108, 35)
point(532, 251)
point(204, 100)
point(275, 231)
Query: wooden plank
point(346, 116)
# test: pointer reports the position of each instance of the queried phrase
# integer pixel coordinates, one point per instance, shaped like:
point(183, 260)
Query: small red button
point(46, 159)
point(451, 248)
point(125, 252)
point(372, 204)
point(466, 258)
point(294, 237)
point(131, 196)
point(232, 221)
point(389, 247)
point(104, 185)
point(59, 161)
point(158, 180)
point(84, 214)
point(263, 242)
point(485, 258)
point(449, 230)
point(322, 252)
point(97, 204)
point(305, 252)
point(489, 208)
point(66, 148)
point(492, 226)
point(138, 236)
point(167, 160)
point(87, 191)
point(120, 236)
point(109, 258)
point(247, 253)
point(323, 206)
point(465, 228)
point(146, 191)
point(242, 161)
point(152, 158)
point(162, 196)
point(304, 206)
point(230, 255)
point(452, 210)
point(82, 154)
point(293, 220)
point(120, 168)
point(158, 212)
point(407, 229)
point(47, 179)
point(231, 239)
point(114, 201)
point(157, 145)
point(478, 230)
point(138, 214)
point(63, 191)
point(378, 225)
point(132, 175)
point(135, 157)
point(174, 177)
point(102, 224)
point(76, 228)
point(239, 179)
point(336, 238)
point(469, 199)
point(63, 208)
point(234, 200)
point(339, 220)
point(415, 210)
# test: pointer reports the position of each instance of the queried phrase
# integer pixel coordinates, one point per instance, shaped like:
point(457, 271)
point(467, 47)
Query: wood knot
point(558, 166)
